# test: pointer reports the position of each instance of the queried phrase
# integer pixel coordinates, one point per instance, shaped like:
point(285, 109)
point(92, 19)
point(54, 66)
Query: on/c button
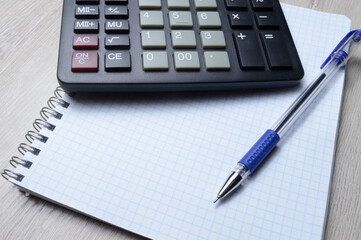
point(85, 61)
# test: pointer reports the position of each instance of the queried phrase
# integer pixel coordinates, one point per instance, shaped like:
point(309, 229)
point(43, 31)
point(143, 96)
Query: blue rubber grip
point(260, 150)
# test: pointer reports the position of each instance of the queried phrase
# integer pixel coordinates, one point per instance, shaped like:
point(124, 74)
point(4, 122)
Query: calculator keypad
point(179, 36)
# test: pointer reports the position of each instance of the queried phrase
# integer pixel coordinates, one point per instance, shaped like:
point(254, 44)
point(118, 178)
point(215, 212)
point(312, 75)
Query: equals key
point(276, 50)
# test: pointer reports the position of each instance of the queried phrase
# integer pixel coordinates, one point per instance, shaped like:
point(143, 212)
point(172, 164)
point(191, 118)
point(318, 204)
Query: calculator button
point(121, 2)
point(240, 20)
point(145, 4)
point(87, 1)
point(265, 4)
point(149, 19)
point(155, 61)
point(178, 4)
point(153, 39)
point(180, 20)
point(209, 19)
point(213, 39)
point(117, 61)
point(85, 42)
point(117, 26)
point(84, 62)
point(183, 39)
point(116, 12)
point(117, 42)
point(266, 20)
point(248, 50)
point(205, 4)
point(276, 50)
point(87, 12)
point(86, 26)
point(236, 4)
point(186, 61)
point(217, 61)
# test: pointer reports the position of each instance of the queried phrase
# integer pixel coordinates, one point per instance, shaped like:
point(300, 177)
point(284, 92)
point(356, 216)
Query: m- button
point(85, 42)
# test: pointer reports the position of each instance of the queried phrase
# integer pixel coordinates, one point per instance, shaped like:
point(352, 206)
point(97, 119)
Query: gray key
point(186, 61)
point(183, 39)
point(209, 19)
point(153, 61)
point(217, 61)
point(146, 4)
point(153, 39)
point(180, 19)
point(149, 19)
point(205, 4)
point(178, 4)
point(213, 39)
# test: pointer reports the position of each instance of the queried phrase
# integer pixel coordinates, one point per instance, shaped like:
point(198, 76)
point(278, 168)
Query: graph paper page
point(153, 163)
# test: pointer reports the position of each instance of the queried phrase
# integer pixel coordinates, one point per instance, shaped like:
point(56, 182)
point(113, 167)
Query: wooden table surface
point(29, 35)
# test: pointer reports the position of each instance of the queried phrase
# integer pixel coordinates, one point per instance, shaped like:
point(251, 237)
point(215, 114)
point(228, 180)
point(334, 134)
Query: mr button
point(117, 61)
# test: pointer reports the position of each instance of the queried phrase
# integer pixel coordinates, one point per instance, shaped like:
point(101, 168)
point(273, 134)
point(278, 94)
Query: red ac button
point(85, 42)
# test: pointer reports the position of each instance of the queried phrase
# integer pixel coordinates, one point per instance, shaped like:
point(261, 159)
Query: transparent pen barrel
point(305, 99)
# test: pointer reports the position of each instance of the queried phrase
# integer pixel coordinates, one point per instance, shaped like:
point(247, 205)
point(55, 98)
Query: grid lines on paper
point(153, 164)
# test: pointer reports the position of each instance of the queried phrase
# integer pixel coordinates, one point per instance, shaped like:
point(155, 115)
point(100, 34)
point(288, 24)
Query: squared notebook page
point(153, 163)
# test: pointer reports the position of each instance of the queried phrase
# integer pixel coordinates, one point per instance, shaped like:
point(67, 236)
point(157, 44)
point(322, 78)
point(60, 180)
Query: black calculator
point(175, 45)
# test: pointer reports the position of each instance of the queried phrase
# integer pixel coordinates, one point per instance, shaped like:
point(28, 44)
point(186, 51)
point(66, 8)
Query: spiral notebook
point(153, 163)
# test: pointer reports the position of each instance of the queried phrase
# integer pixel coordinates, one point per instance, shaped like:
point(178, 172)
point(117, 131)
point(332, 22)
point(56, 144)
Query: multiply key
point(117, 26)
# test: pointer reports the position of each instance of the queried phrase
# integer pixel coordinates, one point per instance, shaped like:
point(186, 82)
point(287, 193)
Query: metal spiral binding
point(31, 136)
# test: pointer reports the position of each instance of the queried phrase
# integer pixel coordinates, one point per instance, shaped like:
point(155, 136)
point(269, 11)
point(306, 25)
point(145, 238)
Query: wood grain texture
point(29, 35)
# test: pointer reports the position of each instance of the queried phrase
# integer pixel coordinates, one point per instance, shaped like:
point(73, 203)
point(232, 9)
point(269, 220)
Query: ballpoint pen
point(253, 158)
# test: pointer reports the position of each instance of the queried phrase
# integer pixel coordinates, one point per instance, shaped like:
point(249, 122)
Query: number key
point(153, 61)
point(186, 61)
point(156, 4)
point(213, 39)
point(183, 39)
point(205, 4)
point(180, 20)
point(149, 19)
point(153, 39)
point(209, 19)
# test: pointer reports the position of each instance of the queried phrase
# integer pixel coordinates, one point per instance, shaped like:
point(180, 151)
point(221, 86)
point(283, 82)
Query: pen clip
point(354, 35)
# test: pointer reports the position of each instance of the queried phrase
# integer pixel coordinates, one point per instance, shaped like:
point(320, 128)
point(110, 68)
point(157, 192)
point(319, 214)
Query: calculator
point(175, 45)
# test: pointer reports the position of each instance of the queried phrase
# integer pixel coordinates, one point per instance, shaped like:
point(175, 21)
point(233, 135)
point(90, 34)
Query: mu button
point(117, 61)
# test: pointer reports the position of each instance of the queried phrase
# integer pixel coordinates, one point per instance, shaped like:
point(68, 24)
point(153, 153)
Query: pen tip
point(215, 200)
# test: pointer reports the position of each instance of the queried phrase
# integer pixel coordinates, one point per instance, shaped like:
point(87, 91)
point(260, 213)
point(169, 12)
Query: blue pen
point(253, 158)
